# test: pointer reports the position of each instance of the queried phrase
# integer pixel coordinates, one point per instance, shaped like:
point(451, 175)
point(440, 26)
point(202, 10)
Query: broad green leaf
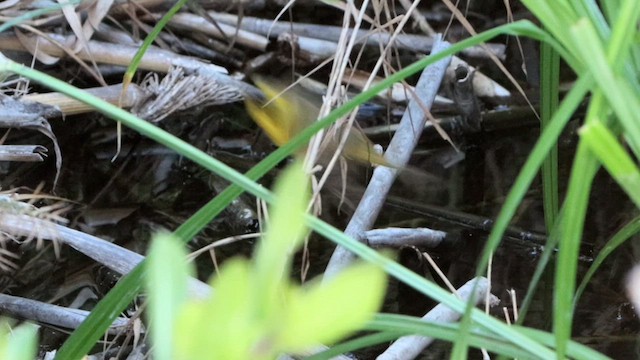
point(286, 228)
point(191, 333)
point(328, 312)
point(221, 327)
point(167, 275)
point(285, 232)
point(19, 343)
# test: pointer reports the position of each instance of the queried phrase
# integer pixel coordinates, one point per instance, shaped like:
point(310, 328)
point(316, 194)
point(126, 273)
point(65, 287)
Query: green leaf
point(167, 275)
point(220, 327)
point(286, 228)
point(572, 226)
point(285, 232)
point(616, 89)
point(614, 158)
point(328, 312)
point(549, 97)
point(19, 343)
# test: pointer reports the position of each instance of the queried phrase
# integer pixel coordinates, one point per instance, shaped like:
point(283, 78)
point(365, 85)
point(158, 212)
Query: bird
point(284, 114)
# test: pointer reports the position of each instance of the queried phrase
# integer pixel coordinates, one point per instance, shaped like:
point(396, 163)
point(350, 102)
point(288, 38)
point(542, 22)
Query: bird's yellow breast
point(284, 114)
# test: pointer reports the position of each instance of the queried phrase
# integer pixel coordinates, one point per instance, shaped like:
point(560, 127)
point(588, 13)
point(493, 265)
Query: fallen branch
point(409, 347)
point(155, 59)
point(51, 314)
point(111, 255)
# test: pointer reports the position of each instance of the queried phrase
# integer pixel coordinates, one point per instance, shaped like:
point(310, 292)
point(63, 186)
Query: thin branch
point(111, 255)
point(399, 152)
point(51, 314)
point(397, 237)
point(409, 347)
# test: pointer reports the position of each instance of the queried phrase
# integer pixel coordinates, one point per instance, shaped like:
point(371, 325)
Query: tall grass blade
point(583, 170)
point(549, 96)
point(630, 229)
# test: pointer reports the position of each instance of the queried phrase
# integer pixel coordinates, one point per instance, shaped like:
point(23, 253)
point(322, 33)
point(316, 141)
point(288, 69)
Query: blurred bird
point(283, 115)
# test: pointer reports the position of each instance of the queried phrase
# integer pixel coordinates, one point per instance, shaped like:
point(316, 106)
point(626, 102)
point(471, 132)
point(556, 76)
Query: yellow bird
point(283, 116)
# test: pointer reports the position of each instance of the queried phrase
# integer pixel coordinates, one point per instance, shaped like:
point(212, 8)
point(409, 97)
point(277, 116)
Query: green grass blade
point(574, 349)
point(34, 14)
point(102, 316)
point(566, 263)
point(148, 41)
point(619, 90)
point(356, 344)
point(447, 332)
point(547, 139)
point(412, 325)
point(623, 100)
point(622, 35)
point(556, 16)
point(541, 268)
point(571, 222)
point(584, 168)
point(630, 229)
point(613, 157)
point(590, 10)
point(549, 95)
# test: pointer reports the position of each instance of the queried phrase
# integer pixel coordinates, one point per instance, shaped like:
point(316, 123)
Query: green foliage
point(19, 343)
point(167, 276)
point(96, 324)
point(601, 47)
point(549, 93)
point(603, 50)
point(256, 312)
